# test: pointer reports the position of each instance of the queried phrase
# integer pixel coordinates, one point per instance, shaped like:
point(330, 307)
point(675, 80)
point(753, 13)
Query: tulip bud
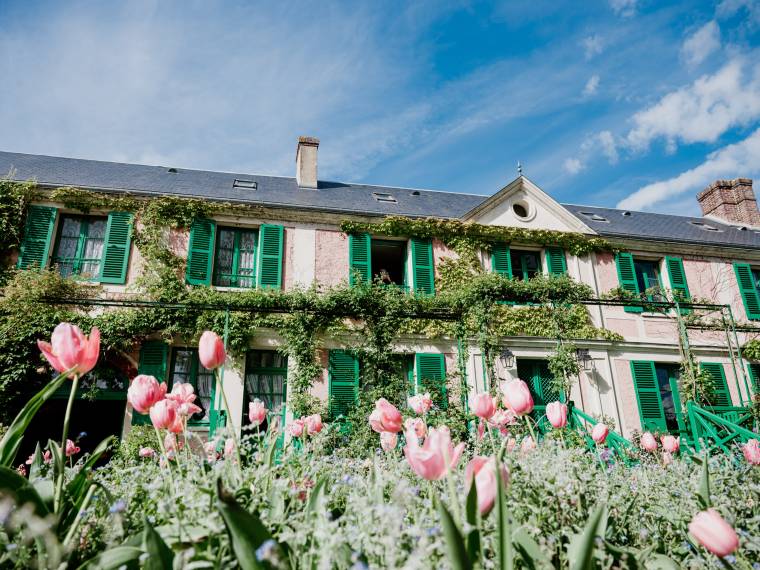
point(70, 349)
point(144, 392)
point(671, 444)
point(751, 451)
point(163, 414)
point(483, 406)
point(714, 533)
point(517, 397)
point(211, 351)
point(385, 417)
point(599, 433)
point(556, 412)
point(388, 440)
point(648, 442)
point(313, 424)
point(257, 412)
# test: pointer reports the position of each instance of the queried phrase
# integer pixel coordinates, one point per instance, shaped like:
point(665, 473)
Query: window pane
point(182, 366)
point(93, 248)
point(666, 393)
point(204, 391)
point(265, 380)
point(223, 261)
point(247, 260)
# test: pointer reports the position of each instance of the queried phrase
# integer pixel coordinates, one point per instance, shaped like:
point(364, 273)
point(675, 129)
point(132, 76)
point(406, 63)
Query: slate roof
point(271, 190)
point(663, 227)
point(345, 197)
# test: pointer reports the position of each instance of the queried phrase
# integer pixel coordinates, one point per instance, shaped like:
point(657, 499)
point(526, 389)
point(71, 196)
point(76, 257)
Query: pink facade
point(331, 258)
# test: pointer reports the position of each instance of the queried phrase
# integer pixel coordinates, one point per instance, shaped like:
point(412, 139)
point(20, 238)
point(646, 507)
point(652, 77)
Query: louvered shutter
point(627, 277)
point(200, 253)
point(754, 374)
point(116, 248)
point(717, 391)
point(431, 370)
point(555, 261)
point(648, 396)
point(270, 256)
point(359, 258)
point(153, 362)
point(38, 233)
point(422, 264)
point(343, 369)
point(500, 260)
point(678, 279)
point(748, 289)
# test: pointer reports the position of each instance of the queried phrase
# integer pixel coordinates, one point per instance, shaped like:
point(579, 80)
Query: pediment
point(523, 204)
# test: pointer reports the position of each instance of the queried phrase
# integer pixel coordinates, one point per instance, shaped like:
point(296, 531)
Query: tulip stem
point(452, 488)
point(66, 418)
point(530, 429)
point(229, 423)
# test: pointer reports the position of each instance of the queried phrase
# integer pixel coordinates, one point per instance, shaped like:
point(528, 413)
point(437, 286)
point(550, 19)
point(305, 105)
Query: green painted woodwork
point(38, 233)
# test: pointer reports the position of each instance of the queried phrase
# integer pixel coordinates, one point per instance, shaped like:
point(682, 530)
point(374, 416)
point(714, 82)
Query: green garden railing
point(712, 429)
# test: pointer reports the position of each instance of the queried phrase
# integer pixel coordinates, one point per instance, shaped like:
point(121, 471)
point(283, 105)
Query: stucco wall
point(332, 258)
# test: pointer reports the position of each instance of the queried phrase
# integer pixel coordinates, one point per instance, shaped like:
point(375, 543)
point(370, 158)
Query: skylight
point(594, 217)
point(238, 183)
point(705, 226)
point(381, 197)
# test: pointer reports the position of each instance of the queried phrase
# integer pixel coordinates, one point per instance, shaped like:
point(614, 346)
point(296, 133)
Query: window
point(648, 278)
point(388, 259)
point(79, 246)
point(667, 382)
point(659, 402)
point(266, 373)
point(235, 260)
point(525, 264)
point(187, 368)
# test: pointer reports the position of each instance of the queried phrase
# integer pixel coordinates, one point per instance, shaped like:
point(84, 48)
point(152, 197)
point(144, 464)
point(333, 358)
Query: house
point(285, 233)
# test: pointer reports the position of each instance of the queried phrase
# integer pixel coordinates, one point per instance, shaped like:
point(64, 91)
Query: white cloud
point(609, 146)
point(572, 166)
point(591, 85)
point(739, 159)
point(701, 44)
point(702, 111)
point(624, 8)
point(728, 8)
point(592, 45)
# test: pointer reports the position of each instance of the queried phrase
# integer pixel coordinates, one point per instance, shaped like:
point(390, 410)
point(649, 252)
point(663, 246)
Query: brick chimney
point(306, 162)
point(731, 201)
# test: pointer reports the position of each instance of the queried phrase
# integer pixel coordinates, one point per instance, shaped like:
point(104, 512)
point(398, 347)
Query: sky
point(637, 104)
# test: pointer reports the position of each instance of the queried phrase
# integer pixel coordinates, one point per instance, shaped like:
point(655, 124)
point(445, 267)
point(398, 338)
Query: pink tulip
point(295, 428)
point(527, 445)
point(421, 403)
point(211, 351)
point(599, 433)
point(483, 471)
point(435, 457)
point(144, 392)
point(388, 440)
point(229, 447)
point(502, 418)
point(163, 414)
point(667, 458)
point(257, 412)
point(511, 444)
point(70, 349)
point(483, 406)
point(648, 442)
point(385, 417)
point(147, 452)
point(671, 444)
point(313, 424)
point(517, 397)
point(714, 533)
point(751, 451)
point(417, 426)
point(170, 443)
point(556, 412)
point(71, 448)
point(178, 425)
point(184, 394)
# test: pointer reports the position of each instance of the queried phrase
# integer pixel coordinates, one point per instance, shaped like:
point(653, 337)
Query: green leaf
point(503, 525)
point(12, 439)
point(316, 499)
point(13, 483)
point(581, 548)
point(455, 543)
point(114, 558)
point(247, 532)
point(473, 536)
point(528, 548)
point(703, 492)
point(160, 556)
point(661, 562)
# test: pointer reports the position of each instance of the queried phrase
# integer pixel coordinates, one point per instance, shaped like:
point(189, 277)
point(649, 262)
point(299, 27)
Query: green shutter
point(200, 253)
point(501, 262)
point(754, 374)
point(359, 258)
point(555, 261)
point(270, 256)
point(343, 369)
point(38, 233)
point(153, 360)
point(648, 396)
point(116, 248)
point(717, 391)
point(422, 265)
point(431, 370)
point(678, 279)
point(627, 277)
point(748, 289)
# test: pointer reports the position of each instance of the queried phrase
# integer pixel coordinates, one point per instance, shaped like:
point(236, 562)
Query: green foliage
point(137, 438)
point(14, 201)
point(563, 365)
point(751, 349)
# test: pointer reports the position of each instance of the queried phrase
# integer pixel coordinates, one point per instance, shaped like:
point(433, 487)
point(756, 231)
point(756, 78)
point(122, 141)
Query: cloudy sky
point(634, 103)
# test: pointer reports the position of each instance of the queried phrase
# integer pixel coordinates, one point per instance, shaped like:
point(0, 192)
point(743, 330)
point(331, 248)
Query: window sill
point(233, 289)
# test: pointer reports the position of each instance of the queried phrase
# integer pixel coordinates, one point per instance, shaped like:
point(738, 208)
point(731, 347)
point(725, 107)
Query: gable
point(521, 196)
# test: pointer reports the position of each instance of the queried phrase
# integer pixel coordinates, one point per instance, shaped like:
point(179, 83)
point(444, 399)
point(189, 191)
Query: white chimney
point(306, 162)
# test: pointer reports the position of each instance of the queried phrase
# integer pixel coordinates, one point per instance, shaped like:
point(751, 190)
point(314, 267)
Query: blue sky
point(636, 103)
